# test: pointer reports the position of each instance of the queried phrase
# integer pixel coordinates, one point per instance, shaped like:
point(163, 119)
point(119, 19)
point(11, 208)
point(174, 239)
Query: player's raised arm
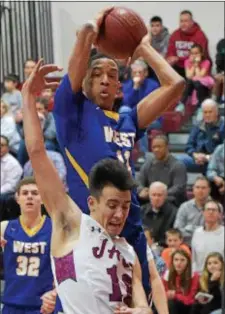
point(57, 202)
point(78, 62)
point(172, 85)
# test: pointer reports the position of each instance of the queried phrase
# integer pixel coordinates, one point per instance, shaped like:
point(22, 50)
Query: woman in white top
point(8, 127)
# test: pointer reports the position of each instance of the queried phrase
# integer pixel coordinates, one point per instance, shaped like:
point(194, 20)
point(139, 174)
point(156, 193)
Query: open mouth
point(104, 94)
point(29, 204)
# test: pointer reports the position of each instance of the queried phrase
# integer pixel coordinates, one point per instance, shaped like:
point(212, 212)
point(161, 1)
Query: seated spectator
point(11, 171)
point(182, 39)
point(159, 35)
point(8, 127)
point(49, 131)
point(174, 241)
point(158, 214)
point(199, 80)
point(211, 282)
point(135, 89)
point(29, 65)
point(216, 173)
point(12, 96)
point(204, 137)
point(165, 168)
point(208, 238)
point(159, 262)
point(58, 162)
point(219, 88)
point(180, 285)
point(190, 213)
point(48, 94)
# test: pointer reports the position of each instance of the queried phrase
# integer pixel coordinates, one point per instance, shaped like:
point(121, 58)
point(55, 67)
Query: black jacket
point(159, 222)
point(220, 55)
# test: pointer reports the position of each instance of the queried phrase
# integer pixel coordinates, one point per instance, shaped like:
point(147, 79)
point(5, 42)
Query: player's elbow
point(35, 149)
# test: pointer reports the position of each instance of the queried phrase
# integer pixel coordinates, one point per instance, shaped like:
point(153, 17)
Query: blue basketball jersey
point(27, 265)
point(87, 134)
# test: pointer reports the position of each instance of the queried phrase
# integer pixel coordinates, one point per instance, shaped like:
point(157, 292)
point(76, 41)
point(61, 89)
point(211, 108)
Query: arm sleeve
point(191, 144)
point(179, 181)
point(180, 222)
point(212, 166)
point(190, 297)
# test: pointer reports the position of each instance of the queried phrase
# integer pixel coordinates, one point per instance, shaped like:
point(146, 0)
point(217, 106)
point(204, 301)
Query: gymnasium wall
point(68, 16)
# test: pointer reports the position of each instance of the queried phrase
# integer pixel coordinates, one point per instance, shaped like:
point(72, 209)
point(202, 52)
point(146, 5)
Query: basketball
point(121, 32)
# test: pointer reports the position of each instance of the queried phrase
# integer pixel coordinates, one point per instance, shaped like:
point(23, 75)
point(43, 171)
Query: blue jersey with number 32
point(27, 265)
point(87, 134)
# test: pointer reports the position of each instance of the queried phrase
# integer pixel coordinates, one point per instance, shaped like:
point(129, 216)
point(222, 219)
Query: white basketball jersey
point(97, 275)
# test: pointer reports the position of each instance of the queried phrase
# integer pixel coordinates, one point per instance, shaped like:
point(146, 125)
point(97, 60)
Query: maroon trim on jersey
point(65, 268)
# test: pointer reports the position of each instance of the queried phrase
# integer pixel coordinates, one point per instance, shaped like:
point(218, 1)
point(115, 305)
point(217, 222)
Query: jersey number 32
point(28, 266)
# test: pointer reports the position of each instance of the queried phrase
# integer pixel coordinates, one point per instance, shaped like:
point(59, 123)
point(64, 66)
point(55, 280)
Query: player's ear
point(91, 203)
point(17, 197)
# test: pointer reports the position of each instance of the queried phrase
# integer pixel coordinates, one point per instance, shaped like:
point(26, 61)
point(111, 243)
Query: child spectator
point(180, 285)
point(197, 71)
point(174, 241)
point(211, 282)
point(12, 96)
point(159, 262)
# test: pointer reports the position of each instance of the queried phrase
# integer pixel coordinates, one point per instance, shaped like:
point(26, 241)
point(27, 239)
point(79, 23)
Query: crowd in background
point(186, 234)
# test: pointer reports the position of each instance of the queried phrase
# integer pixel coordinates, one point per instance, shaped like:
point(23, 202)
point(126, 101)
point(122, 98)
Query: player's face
point(102, 82)
point(213, 264)
point(111, 209)
point(180, 263)
point(29, 199)
point(173, 241)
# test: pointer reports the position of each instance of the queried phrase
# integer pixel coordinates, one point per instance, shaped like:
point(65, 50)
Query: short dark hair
point(219, 206)
point(42, 101)
point(98, 56)
point(25, 181)
point(109, 172)
point(12, 77)
point(150, 231)
point(186, 12)
point(156, 19)
point(6, 139)
point(161, 137)
point(174, 231)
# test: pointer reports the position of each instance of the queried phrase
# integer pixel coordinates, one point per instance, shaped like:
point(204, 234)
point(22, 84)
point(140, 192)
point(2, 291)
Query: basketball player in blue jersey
point(89, 131)
point(27, 267)
point(95, 271)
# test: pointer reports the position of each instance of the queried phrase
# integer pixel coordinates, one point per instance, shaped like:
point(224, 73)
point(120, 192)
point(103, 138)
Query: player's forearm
point(78, 63)
point(165, 73)
point(159, 296)
point(32, 128)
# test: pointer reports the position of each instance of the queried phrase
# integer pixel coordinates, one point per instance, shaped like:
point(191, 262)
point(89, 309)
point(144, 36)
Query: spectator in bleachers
point(181, 286)
point(29, 65)
point(49, 131)
point(58, 162)
point(159, 262)
point(219, 88)
point(204, 137)
point(190, 213)
point(216, 173)
point(208, 238)
point(11, 171)
point(48, 94)
point(159, 35)
point(182, 39)
point(211, 282)
point(199, 79)
point(174, 241)
point(163, 167)
point(158, 214)
point(12, 96)
point(8, 127)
